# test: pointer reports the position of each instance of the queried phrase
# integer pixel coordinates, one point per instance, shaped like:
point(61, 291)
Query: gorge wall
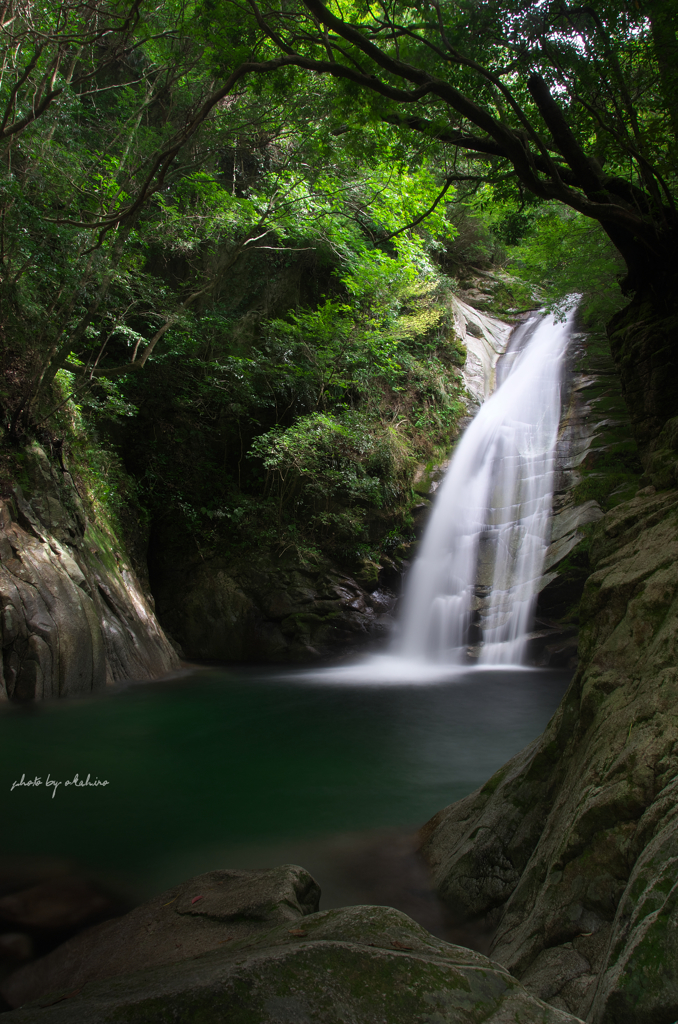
point(74, 615)
point(597, 466)
point(568, 852)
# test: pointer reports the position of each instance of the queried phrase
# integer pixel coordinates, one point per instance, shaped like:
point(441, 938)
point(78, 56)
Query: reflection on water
point(230, 768)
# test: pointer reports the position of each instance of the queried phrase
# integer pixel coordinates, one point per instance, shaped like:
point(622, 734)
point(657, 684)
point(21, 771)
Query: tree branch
point(448, 181)
point(588, 176)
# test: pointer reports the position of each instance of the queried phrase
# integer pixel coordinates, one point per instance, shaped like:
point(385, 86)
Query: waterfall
point(473, 585)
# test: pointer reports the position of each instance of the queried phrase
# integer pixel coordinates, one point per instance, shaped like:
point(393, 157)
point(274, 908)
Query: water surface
point(229, 768)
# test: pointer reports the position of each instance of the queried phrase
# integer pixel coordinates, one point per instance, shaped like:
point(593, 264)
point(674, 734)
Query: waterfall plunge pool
point(227, 767)
point(328, 768)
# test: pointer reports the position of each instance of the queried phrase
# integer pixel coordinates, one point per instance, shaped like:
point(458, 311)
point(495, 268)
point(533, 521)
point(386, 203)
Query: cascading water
point(474, 581)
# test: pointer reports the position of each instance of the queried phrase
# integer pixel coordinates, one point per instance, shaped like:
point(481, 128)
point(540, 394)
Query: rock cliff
point(74, 615)
point(267, 609)
point(569, 851)
point(596, 468)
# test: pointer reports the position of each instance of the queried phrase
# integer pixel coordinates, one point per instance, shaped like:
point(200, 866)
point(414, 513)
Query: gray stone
point(74, 616)
point(485, 338)
point(202, 914)
point(554, 970)
point(358, 965)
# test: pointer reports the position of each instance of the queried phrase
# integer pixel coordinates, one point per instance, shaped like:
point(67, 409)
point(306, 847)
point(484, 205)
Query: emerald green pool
point(225, 767)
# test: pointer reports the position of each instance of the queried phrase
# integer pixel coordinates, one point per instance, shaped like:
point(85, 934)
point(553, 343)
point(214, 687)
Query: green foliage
point(489, 89)
point(310, 433)
point(328, 468)
point(244, 288)
point(109, 492)
point(564, 255)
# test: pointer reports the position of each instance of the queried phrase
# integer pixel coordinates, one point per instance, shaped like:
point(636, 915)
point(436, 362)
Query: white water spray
point(474, 581)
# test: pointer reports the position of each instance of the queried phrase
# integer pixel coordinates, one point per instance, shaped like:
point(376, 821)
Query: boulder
point(57, 904)
point(357, 965)
point(205, 913)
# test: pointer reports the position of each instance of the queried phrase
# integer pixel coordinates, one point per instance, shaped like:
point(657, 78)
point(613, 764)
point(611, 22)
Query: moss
point(493, 784)
point(650, 963)
point(105, 545)
point(330, 985)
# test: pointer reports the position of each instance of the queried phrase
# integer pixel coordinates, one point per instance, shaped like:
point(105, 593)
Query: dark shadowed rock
point(23, 872)
point(202, 914)
point(57, 904)
point(265, 609)
point(358, 965)
point(15, 947)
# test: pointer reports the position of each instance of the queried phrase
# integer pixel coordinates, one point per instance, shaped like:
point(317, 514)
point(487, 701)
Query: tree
point(563, 102)
point(134, 178)
point(577, 101)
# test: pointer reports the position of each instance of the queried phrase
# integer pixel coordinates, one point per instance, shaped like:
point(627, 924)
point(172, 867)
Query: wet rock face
point(264, 611)
point(362, 964)
point(485, 339)
point(570, 849)
point(554, 640)
point(597, 466)
point(52, 645)
point(73, 615)
point(661, 464)
point(644, 349)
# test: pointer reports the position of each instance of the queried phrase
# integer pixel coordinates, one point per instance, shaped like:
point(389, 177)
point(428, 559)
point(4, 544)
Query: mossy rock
point(570, 852)
point(357, 965)
point(644, 349)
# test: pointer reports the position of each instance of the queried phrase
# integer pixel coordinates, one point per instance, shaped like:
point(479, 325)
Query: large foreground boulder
point(570, 850)
point(357, 965)
point(205, 913)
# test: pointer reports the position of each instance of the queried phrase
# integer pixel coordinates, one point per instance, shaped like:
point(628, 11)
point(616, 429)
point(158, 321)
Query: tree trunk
point(664, 22)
